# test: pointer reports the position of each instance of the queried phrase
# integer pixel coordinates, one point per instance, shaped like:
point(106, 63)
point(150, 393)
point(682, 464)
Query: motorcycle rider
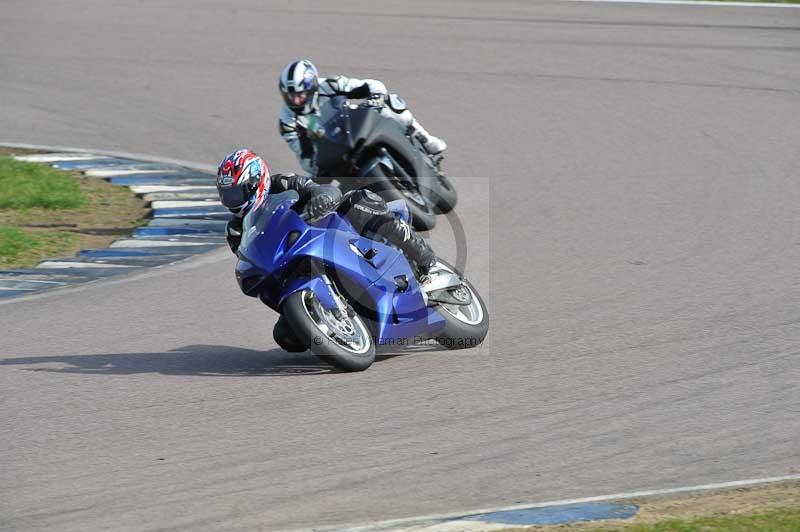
point(302, 89)
point(243, 183)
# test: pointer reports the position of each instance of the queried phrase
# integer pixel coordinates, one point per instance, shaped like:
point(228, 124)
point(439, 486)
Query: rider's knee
point(362, 207)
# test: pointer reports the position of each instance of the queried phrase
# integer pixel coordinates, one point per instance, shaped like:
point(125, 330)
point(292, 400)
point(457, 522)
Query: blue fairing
point(277, 246)
point(315, 284)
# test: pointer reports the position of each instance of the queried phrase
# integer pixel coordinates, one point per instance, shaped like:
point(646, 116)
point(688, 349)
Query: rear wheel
point(340, 340)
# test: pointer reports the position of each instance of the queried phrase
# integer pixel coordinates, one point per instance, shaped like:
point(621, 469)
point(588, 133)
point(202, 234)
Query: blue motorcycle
point(343, 293)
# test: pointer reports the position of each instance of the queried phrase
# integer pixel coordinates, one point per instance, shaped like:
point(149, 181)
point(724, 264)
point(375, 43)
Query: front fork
point(341, 306)
point(320, 284)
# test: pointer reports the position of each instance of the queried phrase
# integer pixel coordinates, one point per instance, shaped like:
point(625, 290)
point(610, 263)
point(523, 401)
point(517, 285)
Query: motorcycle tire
point(466, 326)
point(423, 217)
point(447, 196)
point(312, 323)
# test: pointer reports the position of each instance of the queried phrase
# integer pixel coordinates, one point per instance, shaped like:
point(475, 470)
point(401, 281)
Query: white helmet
point(299, 85)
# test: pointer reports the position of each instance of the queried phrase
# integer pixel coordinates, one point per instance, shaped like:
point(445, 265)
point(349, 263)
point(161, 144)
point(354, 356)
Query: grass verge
point(46, 212)
point(764, 508)
point(19, 247)
point(778, 520)
point(30, 185)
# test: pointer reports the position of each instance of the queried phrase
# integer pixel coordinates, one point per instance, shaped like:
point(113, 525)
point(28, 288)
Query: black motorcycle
point(354, 141)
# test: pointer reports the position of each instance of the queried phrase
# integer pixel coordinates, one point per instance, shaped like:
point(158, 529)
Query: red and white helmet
point(242, 177)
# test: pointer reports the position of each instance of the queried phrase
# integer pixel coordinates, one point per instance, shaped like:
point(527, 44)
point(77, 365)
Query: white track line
point(53, 157)
point(23, 280)
point(428, 520)
point(181, 204)
point(180, 196)
point(61, 265)
point(211, 169)
point(185, 215)
point(137, 243)
point(101, 172)
point(146, 189)
point(691, 3)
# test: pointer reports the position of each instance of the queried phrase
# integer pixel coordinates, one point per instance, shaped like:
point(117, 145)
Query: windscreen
point(331, 113)
point(336, 143)
point(257, 219)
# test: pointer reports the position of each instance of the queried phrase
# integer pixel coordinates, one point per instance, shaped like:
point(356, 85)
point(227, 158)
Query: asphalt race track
point(632, 207)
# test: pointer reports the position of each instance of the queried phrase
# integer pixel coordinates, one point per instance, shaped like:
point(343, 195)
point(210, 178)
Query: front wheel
point(447, 196)
point(466, 325)
point(391, 188)
point(343, 341)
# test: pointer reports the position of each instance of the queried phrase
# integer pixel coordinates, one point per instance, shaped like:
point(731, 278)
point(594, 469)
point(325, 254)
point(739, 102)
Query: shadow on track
point(208, 360)
point(200, 360)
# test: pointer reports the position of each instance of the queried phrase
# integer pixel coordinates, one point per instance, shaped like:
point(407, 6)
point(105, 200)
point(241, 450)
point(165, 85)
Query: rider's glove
point(319, 206)
point(377, 100)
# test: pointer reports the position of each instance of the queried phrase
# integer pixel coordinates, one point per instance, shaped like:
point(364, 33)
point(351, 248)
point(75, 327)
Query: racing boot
point(433, 145)
point(413, 246)
point(285, 337)
point(426, 259)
